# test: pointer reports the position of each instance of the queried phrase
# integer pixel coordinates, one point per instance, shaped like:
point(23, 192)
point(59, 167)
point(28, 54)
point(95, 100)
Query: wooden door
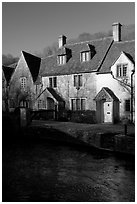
point(108, 112)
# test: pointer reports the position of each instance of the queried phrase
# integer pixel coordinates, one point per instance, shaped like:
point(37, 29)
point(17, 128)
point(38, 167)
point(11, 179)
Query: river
point(51, 172)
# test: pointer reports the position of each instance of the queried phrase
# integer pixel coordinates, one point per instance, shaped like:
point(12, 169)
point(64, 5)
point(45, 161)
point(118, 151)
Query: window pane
point(64, 59)
point(79, 80)
point(83, 104)
point(50, 82)
point(118, 70)
point(73, 104)
point(55, 81)
point(40, 104)
point(87, 56)
point(23, 82)
point(77, 104)
point(58, 59)
point(124, 70)
point(75, 80)
point(127, 105)
point(84, 56)
point(61, 59)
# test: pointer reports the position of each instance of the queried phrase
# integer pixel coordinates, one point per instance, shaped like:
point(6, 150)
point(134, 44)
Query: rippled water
point(49, 172)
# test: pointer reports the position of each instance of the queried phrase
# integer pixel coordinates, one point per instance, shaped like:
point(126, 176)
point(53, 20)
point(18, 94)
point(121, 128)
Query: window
point(53, 82)
point(23, 83)
point(41, 104)
point(83, 104)
point(77, 80)
point(127, 105)
point(61, 59)
point(24, 103)
point(124, 70)
point(85, 56)
point(73, 104)
point(50, 82)
point(78, 104)
point(121, 70)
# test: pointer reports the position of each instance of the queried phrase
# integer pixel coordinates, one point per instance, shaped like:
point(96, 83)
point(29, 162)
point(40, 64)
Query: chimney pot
point(116, 32)
point(62, 40)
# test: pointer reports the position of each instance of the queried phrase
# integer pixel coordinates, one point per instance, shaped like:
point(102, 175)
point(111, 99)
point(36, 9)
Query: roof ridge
point(99, 39)
point(30, 54)
point(125, 41)
point(47, 56)
point(89, 41)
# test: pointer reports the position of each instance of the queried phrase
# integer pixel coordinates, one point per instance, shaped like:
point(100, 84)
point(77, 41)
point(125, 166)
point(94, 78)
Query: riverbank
point(102, 136)
point(106, 137)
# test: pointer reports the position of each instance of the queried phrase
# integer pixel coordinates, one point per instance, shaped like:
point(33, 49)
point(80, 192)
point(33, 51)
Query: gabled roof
point(55, 94)
point(33, 63)
point(86, 47)
point(127, 47)
point(130, 57)
point(8, 71)
point(50, 67)
point(13, 65)
point(106, 94)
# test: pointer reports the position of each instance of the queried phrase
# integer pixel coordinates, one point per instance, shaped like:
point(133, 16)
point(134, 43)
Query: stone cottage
point(95, 76)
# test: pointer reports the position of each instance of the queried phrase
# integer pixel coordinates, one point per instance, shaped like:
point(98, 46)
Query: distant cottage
point(93, 76)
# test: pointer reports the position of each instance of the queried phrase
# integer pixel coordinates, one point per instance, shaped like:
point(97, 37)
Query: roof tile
point(49, 65)
point(128, 47)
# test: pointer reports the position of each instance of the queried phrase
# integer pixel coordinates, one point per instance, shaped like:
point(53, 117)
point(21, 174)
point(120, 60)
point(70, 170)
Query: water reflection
point(60, 173)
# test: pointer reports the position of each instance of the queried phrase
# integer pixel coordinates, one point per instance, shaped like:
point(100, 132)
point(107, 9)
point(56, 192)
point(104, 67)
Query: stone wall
point(65, 87)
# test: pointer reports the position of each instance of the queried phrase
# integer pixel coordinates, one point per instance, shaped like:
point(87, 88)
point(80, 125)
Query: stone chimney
point(116, 32)
point(62, 40)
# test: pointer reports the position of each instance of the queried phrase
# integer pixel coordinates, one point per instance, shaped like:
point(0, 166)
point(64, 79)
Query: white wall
point(122, 92)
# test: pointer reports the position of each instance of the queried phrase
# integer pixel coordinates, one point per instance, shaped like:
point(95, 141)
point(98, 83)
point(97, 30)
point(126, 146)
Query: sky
point(32, 26)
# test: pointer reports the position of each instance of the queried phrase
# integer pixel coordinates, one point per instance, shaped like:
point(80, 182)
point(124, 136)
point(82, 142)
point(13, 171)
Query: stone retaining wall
point(108, 141)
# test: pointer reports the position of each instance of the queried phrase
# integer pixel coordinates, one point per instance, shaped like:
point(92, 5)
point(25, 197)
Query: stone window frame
point(127, 105)
point(61, 59)
point(78, 80)
point(74, 106)
point(23, 83)
point(121, 70)
point(41, 104)
point(53, 82)
point(85, 56)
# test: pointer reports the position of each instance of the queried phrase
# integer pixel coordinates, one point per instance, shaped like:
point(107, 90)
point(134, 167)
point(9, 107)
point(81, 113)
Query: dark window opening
point(53, 82)
point(127, 105)
point(78, 104)
point(77, 80)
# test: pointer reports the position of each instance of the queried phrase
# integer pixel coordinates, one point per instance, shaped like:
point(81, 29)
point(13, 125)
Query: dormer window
point(121, 70)
point(61, 59)
point(85, 56)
